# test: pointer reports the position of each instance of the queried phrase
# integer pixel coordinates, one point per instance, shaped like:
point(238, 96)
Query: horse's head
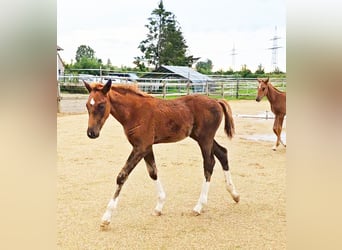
point(262, 89)
point(98, 106)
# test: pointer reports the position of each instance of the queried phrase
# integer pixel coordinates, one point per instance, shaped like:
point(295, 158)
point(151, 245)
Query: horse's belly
point(172, 132)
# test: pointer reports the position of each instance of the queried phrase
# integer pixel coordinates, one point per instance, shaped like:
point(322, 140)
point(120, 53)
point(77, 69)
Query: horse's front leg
point(277, 132)
point(135, 156)
point(277, 128)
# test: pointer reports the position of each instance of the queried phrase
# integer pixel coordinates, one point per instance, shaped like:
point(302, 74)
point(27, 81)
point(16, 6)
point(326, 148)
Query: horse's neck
point(121, 107)
point(277, 100)
point(272, 94)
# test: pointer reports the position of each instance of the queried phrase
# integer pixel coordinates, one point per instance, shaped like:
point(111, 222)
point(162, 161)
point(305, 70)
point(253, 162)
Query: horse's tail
point(229, 127)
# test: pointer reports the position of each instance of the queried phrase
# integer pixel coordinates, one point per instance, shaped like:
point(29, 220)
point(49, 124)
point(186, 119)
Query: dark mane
point(123, 89)
point(131, 89)
point(277, 90)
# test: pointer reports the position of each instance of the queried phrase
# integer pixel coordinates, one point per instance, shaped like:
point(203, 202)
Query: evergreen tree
point(165, 43)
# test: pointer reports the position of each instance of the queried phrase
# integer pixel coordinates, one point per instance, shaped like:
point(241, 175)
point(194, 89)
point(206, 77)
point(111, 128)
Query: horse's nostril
point(91, 134)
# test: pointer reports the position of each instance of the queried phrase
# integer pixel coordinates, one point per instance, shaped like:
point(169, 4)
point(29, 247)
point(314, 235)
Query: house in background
point(183, 73)
point(60, 64)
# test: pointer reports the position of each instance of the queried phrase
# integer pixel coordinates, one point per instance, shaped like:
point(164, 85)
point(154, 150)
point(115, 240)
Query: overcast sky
point(114, 29)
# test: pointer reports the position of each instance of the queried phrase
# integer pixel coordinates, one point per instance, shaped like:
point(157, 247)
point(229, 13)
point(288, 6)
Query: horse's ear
point(87, 86)
point(106, 88)
point(266, 81)
point(258, 79)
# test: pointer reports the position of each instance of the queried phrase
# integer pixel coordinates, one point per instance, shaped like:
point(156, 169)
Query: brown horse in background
point(147, 120)
point(277, 100)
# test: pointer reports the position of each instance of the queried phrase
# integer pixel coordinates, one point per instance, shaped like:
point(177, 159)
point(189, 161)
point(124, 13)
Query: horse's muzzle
point(91, 134)
point(257, 99)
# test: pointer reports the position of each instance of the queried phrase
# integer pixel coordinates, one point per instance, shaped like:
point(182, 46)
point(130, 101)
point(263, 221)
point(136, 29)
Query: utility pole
point(233, 54)
point(274, 49)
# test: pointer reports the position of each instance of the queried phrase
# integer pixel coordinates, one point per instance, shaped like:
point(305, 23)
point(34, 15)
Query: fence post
point(207, 88)
point(222, 89)
point(237, 88)
point(164, 90)
point(188, 88)
point(58, 97)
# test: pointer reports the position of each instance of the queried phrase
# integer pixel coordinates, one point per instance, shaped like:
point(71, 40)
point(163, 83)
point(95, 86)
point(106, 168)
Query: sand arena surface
point(87, 171)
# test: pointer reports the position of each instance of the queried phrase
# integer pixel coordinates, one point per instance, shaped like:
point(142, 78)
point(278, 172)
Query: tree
point(245, 72)
point(109, 63)
point(85, 63)
point(204, 67)
point(277, 71)
point(230, 71)
point(260, 70)
point(164, 43)
point(84, 51)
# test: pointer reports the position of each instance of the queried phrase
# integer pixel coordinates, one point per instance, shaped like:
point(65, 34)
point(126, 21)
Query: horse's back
point(207, 114)
point(192, 115)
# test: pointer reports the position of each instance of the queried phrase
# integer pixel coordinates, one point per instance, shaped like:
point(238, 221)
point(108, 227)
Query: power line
point(274, 49)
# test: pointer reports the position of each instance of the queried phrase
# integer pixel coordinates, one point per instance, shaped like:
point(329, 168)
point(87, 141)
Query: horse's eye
point(263, 88)
point(101, 106)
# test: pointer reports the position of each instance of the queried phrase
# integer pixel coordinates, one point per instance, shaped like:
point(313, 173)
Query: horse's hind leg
point(208, 165)
point(133, 159)
point(281, 120)
point(152, 171)
point(222, 155)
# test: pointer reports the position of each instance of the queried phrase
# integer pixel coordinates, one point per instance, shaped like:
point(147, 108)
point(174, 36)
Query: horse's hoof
point(236, 198)
point(157, 213)
point(195, 213)
point(104, 226)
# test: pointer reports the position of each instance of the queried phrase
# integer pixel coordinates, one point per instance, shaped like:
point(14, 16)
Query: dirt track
point(87, 172)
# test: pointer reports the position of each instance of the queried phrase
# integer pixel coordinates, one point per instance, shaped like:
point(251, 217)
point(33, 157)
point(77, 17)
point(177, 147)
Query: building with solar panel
point(182, 74)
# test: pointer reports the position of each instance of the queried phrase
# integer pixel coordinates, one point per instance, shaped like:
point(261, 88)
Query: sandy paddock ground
point(87, 171)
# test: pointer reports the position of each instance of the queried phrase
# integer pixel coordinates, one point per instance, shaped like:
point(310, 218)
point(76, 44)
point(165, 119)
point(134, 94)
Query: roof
point(180, 71)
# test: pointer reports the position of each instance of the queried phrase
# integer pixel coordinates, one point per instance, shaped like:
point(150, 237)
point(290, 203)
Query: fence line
point(240, 87)
point(165, 88)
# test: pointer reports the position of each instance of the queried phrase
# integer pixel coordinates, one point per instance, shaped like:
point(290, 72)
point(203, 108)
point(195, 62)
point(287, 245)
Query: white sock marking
point(203, 199)
point(113, 203)
point(161, 196)
point(230, 185)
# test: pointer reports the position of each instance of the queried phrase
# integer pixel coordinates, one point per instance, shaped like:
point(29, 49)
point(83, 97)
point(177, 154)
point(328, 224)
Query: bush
point(74, 89)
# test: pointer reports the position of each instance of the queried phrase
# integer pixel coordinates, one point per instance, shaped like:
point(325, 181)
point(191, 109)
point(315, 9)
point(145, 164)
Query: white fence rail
point(69, 96)
point(222, 87)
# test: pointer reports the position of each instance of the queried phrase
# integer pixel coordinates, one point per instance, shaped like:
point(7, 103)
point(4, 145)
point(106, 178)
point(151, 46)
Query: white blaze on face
point(259, 86)
point(92, 101)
